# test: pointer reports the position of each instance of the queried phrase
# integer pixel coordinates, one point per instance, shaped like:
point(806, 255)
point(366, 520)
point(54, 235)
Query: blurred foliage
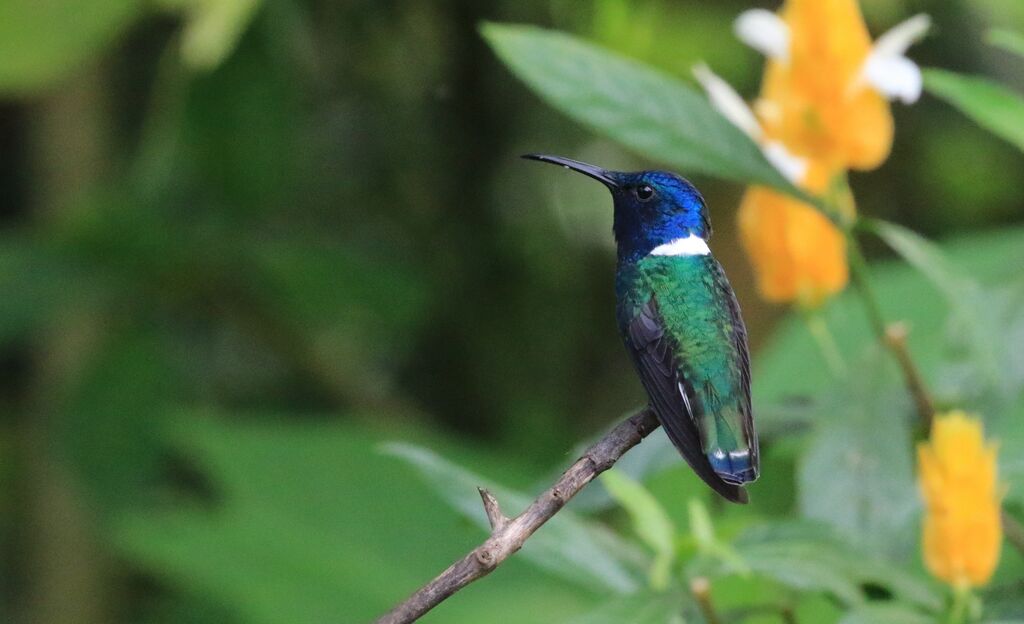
point(247, 246)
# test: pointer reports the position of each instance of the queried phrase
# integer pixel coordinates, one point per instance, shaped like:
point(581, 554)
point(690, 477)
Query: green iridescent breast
point(697, 311)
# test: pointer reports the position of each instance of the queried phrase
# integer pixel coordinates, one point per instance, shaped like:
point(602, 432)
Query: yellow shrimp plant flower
point(957, 477)
point(823, 109)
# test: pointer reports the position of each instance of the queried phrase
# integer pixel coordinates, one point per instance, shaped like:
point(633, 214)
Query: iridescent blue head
point(652, 208)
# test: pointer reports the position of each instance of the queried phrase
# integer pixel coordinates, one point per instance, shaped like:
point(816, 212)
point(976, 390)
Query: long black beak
point(601, 175)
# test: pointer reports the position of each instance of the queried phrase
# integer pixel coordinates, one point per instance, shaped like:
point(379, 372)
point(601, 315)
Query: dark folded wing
point(740, 347)
point(672, 397)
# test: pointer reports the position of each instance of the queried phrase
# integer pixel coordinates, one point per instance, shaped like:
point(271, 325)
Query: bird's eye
point(643, 193)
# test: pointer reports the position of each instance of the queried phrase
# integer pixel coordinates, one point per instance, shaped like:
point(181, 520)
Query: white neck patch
point(692, 245)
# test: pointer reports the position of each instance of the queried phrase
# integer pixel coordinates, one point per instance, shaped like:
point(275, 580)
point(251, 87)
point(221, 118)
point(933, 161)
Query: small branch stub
point(509, 535)
point(493, 510)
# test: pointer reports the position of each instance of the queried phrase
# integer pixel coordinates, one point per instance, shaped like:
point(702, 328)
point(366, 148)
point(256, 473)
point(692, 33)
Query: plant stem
point(893, 336)
point(961, 601)
point(700, 587)
point(896, 340)
point(859, 273)
point(788, 615)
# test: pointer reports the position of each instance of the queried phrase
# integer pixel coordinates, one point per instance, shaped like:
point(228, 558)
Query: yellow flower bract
point(817, 102)
point(957, 475)
point(814, 102)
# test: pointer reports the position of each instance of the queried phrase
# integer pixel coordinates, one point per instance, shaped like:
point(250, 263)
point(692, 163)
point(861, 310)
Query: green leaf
point(642, 108)
point(213, 28)
point(1006, 39)
point(308, 522)
point(886, 614)
point(812, 557)
point(991, 105)
point(107, 425)
point(568, 545)
point(42, 42)
point(44, 283)
point(650, 522)
point(856, 473)
point(963, 295)
point(641, 608)
point(789, 367)
point(707, 543)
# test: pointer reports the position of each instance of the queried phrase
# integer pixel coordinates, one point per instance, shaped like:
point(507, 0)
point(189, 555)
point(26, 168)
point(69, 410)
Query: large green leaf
point(789, 366)
point(108, 422)
point(856, 474)
point(642, 108)
point(568, 545)
point(886, 614)
point(650, 522)
point(991, 105)
point(813, 557)
point(641, 608)
point(310, 523)
point(43, 41)
point(212, 28)
point(975, 309)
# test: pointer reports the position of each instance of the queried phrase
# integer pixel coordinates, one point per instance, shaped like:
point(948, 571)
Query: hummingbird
point(681, 324)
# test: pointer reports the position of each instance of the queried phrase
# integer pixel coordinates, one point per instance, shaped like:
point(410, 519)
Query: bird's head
point(652, 208)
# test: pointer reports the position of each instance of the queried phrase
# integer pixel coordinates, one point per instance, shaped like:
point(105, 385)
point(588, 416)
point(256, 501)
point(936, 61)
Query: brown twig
point(508, 536)
point(788, 615)
point(893, 336)
point(896, 340)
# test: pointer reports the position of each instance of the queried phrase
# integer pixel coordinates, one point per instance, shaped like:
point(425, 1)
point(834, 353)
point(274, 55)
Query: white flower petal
point(765, 32)
point(900, 37)
point(887, 69)
point(895, 77)
point(793, 168)
point(727, 102)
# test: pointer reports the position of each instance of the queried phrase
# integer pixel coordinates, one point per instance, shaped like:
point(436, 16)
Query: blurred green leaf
point(856, 473)
point(309, 523)
point(40, 285)
point(963, 295)
point(329, 285)
point(886, 614)
point(644, 109)
point(44, 41)
point(708, 543)
point(1006, 39)
point(989, 104)
point(213, 28)
point(813, 557)
point(789, 367)
point(650, 522)
point(108, 423)
point(641, 608)
point(568, 545)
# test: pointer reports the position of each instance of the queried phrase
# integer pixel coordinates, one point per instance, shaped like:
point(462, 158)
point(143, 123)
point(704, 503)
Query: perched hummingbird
point(680, 321)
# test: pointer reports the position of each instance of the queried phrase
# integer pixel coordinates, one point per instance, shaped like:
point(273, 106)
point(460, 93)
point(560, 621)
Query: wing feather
point(672, 395)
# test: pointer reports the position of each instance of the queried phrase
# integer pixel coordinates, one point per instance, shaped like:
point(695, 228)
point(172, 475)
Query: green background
point(245, 245)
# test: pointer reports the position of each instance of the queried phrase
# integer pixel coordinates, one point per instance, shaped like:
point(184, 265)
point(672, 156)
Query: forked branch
point(508, 536)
